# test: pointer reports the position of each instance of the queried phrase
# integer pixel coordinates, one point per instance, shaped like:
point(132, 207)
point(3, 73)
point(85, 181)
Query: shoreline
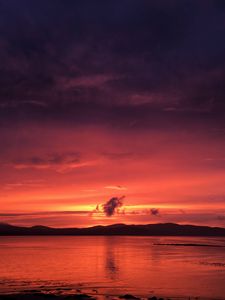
point(38, 295)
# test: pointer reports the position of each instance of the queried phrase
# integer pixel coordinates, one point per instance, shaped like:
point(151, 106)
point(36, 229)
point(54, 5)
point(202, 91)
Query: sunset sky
point(105, 99)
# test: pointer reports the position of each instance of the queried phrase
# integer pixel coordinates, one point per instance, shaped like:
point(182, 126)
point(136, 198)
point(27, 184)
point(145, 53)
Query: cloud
point(58, 162)
point(15, 104)
point(113, 62)
point(111, 205)
point(116, 187)
point(154, 211)
point(95, 80)
point(22, 184)
point(45, 213)
point(221, 217)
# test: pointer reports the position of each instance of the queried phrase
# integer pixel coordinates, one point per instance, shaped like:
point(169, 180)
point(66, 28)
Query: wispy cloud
point(116, 187)
point(95, 80)
point(22, 184)
point(45, 213)
point(15, 104)
point(58, 162)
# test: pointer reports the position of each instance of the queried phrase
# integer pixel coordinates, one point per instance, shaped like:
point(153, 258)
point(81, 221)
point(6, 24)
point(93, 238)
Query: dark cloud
point(44, 217)
point(111, 205)
point(136, 62)
point(221, 217)
point(44, 213)
point(154, 211)
point(59, 162)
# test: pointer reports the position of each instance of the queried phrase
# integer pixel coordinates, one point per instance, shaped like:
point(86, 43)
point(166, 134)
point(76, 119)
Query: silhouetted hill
point(166, 229)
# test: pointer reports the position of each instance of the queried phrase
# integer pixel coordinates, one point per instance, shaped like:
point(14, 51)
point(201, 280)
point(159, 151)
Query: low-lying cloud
point(154, 211)
point(110, 207)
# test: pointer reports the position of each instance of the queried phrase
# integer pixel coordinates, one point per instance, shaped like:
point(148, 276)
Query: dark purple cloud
point(154, 211)
point(221, 217)
point(56, 161)
point(148, 63)
point(111, 205)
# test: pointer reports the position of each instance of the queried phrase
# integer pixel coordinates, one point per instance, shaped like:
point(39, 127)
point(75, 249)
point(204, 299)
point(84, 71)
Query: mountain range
point(160, 229)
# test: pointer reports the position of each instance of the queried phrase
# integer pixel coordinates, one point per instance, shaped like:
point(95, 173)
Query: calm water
point(113, 265)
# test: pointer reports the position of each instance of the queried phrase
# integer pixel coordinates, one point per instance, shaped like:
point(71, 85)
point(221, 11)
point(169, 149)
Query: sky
point(112, 112)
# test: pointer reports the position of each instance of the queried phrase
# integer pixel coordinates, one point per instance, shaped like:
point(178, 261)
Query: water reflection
point(111, 264)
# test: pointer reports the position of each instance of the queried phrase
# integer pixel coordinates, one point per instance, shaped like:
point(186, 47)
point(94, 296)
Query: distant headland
point(160, 229)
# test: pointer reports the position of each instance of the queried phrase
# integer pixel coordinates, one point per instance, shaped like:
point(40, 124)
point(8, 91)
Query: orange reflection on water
point(114, 265)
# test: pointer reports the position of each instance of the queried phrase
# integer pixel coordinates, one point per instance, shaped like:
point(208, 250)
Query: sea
point(109, 266)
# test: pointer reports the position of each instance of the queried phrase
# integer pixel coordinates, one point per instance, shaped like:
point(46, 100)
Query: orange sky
point(105, 99)
point(57, 176)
